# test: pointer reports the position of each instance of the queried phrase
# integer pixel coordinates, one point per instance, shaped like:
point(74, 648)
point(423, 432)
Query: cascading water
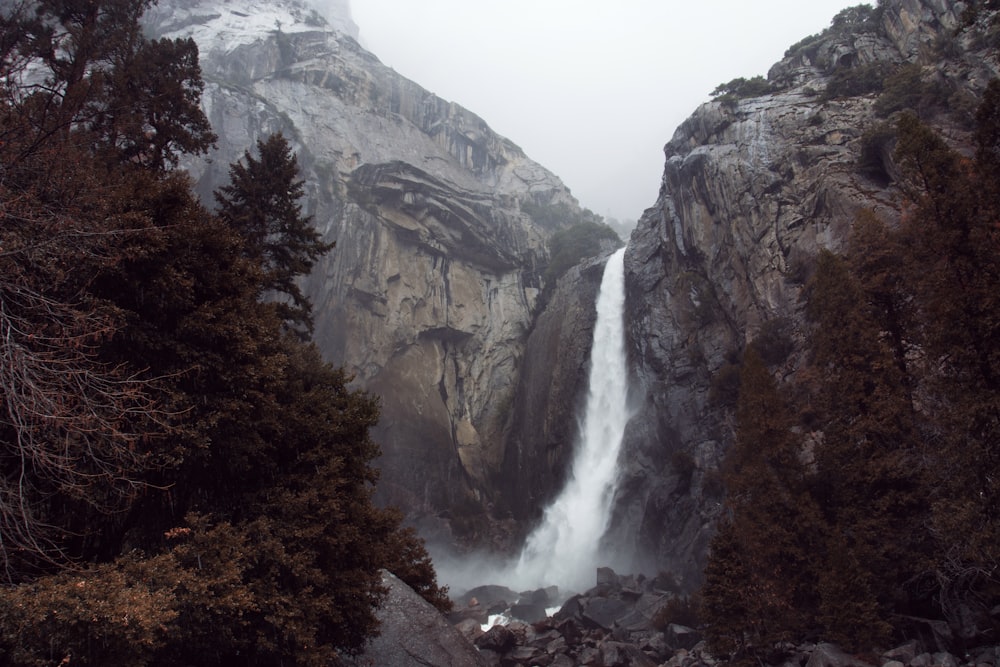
point(564, 549)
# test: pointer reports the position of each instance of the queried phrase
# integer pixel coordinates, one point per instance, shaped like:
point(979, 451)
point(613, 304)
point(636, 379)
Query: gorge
point(435, 297)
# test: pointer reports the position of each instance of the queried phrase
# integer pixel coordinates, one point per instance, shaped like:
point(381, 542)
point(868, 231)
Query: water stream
point(564, 550)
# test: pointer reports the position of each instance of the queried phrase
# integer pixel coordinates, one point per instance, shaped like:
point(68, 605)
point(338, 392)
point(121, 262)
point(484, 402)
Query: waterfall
point(564, 549)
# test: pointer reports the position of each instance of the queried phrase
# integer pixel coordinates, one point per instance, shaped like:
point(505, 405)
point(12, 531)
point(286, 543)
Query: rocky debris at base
point(615, 624)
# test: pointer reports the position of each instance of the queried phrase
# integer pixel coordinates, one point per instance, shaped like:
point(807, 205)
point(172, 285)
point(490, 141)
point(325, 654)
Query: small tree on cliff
point(262, 204)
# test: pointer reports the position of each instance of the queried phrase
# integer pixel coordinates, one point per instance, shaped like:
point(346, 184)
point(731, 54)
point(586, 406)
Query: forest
point(183, 480)
point(862, 500)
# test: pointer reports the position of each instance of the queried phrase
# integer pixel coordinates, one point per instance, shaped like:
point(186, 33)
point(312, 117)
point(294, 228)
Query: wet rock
point(529, 613)
point(470, 628)
point(498, 639)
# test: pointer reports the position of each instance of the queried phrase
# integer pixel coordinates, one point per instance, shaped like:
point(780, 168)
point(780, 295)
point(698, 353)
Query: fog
point(591, 90)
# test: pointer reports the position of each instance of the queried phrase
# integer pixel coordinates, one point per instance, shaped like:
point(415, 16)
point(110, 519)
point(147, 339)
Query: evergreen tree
point(868, 477)
point(198, 469)
point(951, 249)
point(760, 578)
point(262, 204)
point(103, 81)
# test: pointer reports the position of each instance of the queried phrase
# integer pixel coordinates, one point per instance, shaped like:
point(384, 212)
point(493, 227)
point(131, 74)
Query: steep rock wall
point(431, 290)
point(752, 189)
point(551, 390)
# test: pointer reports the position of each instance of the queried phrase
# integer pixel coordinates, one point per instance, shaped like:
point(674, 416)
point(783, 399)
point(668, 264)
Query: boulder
point(414, 634)
point(601, 612)
point(498, 639)
point(529, 612)
point(831, 655)
point(904, 653)
point(618, 654)
point(487, 596)
point(682, 637)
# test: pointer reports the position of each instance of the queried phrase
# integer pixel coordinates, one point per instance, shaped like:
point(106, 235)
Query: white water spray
point(564, 549)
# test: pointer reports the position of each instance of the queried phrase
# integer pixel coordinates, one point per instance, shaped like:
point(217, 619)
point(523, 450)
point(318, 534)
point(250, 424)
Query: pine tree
point(868, 478)
point(951, 247)
point(104, 82)
point(262, 204)
point(762, 558)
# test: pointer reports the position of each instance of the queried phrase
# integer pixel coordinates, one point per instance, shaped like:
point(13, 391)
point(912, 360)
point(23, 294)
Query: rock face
point(431, 290)
point(752, 190)
point(550, 392)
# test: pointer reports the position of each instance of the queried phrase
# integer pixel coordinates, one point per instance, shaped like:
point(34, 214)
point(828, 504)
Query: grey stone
point(414, 634)
point(831, 655)
point(603, 612)
point(681, 636)
point(618, 654)
point(607, 577)
point(487, 596)
point(944, 659)
point(657, 644)
point(529, 613)
point(499, 639)
point(903, 653)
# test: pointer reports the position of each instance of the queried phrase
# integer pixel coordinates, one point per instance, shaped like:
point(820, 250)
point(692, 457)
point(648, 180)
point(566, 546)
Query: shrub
point(861, 18)
point(906, 88)
point(774, 341)
point(741, 88)
point(568, 246)
point(855, 81)
point(725, 386)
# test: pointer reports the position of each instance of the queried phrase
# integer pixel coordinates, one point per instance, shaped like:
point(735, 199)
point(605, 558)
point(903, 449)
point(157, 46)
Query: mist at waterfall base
point(565, 549)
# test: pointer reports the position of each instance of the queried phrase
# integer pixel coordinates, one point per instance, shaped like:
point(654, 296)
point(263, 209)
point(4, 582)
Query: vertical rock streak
point(564, 549)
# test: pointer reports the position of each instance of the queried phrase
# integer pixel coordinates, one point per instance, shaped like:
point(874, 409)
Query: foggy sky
point(591, 90)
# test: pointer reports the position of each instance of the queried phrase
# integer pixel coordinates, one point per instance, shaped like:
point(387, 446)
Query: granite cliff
point(432, 288)
point(432, 295)
point(754, 186)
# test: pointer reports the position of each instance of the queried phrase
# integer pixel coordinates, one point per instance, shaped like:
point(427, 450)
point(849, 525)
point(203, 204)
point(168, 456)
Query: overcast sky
point(591, 90)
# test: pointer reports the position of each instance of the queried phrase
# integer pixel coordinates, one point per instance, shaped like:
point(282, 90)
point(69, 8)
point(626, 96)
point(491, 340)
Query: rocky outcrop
point(432, 287)
point(752, 189)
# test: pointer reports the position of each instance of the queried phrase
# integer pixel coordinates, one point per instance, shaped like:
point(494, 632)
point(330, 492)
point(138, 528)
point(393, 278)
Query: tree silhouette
point(261, 202)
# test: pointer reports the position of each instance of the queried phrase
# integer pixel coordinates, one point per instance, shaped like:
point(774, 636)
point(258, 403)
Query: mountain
point(755, 184)
point(435, 296)
point(440, 227)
